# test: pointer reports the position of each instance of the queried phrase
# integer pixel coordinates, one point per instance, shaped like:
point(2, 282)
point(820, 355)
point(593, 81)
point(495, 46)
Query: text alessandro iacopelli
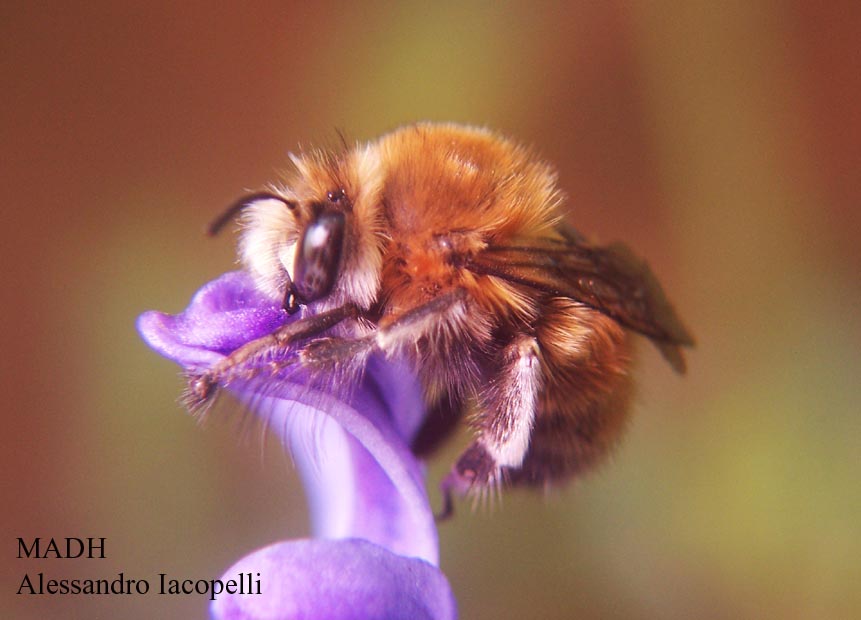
point(93, 548)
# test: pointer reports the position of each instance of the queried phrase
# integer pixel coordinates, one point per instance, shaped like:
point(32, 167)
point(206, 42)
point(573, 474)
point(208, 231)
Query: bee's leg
point(392, 338)
point(326, 353)
point(504, 423)
point(203, 387)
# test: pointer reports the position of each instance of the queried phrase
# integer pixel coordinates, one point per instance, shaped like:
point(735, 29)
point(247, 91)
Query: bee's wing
point(610, 279)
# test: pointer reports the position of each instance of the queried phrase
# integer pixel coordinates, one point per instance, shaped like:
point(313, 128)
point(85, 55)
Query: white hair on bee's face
point(267, 247)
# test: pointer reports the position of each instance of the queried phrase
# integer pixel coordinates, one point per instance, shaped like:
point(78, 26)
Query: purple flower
point(374, 553)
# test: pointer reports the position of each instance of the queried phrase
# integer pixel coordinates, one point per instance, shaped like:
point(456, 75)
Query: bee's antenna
point(230, 212)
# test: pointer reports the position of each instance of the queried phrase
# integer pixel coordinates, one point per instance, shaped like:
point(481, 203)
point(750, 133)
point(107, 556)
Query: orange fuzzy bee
point(445, 244)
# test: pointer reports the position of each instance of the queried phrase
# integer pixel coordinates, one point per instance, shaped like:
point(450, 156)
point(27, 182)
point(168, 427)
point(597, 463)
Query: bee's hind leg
point(504, 424)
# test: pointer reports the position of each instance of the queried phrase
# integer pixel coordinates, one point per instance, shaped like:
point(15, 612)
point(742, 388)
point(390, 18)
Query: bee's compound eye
point(318, 257)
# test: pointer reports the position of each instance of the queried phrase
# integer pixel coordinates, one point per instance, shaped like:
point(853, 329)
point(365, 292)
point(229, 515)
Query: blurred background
point(723, 142)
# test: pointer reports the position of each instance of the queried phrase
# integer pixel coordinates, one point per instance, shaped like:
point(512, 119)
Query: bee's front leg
point(331, 353)
point(203, 387)
point(507, 408)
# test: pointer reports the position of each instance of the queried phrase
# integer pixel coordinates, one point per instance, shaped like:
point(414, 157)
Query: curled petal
point(223, 315)
point(338, 580)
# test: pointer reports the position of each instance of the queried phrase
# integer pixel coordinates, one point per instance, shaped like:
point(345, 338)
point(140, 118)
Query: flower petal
point(223, 315)
point(337, 580)
point(360, 477)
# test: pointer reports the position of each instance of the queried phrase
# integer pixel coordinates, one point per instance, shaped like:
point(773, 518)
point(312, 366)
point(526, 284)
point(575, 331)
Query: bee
point(446, 245)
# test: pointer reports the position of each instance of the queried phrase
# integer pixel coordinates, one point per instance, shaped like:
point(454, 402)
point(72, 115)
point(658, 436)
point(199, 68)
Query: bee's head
point(317, 240)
